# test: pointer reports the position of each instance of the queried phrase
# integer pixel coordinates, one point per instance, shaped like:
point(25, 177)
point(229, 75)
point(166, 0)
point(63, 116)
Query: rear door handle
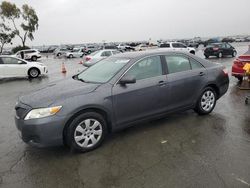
point(201, 74)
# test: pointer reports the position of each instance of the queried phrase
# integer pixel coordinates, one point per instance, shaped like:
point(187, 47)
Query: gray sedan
point(118, 92)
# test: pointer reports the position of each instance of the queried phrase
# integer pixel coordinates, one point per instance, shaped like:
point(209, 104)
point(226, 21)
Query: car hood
point(56, 91)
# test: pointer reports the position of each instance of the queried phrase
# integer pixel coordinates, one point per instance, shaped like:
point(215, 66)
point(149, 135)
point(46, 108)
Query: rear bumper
point(223, 86)
point(211, 53)
point(237, 71)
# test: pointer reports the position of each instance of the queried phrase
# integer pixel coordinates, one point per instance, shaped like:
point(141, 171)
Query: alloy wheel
point(34, 73)
point(88, 133)
point(207, 100)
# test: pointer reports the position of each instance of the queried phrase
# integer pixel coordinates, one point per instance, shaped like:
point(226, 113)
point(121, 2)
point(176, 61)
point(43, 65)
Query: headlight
point(42, 112)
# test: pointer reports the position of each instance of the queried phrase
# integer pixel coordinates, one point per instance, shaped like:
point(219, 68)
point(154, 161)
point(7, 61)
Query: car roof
point(27, 50)
point(141, 54)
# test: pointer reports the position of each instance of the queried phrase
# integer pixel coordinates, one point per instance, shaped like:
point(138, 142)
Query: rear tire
point(206, 101)
point(86, 132)
point(206, 56)
point(234, 54)
point(70, 56)
point(33, 58)
point(33, 73)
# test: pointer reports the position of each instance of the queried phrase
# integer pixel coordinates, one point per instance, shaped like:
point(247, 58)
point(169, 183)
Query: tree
point(28, 16)
point(6, 36)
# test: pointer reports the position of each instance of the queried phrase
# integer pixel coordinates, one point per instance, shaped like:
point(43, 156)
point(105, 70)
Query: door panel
point(186, 78)
point(141, 99)
point(185, 87)
point(146, 97)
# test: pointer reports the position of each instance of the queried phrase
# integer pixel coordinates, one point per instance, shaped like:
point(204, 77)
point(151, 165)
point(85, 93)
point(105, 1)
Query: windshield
point(103, 71)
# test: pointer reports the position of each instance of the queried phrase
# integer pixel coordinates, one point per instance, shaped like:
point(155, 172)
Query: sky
point(83, 21)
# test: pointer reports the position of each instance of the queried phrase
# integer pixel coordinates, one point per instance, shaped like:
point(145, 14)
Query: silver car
point(98, 56)
point(76, 52)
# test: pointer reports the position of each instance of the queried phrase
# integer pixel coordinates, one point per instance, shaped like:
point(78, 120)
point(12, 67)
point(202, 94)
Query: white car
point(15, 67)
point(177, 46)
point(76, 52)
point(142, 47)
point(30, 54)
point(98, 56)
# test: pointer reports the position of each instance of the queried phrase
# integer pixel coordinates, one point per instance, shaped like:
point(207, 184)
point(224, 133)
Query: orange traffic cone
point(63, 68)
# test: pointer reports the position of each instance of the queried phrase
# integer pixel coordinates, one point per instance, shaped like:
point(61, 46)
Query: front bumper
point(41, 132)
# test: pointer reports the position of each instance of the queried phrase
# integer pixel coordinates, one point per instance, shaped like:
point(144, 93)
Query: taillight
point(88, 58)
point(239, 63)
point(215, 49)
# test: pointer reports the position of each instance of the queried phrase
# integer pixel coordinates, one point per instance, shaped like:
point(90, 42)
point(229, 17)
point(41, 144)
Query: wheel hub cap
point(88, 133)
point(207, 101)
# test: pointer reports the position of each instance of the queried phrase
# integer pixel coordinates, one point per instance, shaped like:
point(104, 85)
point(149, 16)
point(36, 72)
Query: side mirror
point(127, 80)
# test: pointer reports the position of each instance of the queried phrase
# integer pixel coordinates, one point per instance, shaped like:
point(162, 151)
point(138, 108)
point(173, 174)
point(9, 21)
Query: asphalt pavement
point(181, 150)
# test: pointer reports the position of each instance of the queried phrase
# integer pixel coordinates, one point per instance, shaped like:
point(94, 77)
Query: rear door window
point(195, 64)
point(177, 63)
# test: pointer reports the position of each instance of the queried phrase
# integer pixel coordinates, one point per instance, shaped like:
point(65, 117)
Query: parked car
point(110, 47)
point(116, 93)
point(227, 40)
point(91, 48)
point(247, 39)
point(49, 49)
point(193, 44)
point(177, 46)
point(60, 51)
point(98, 56)
point(76, 52)
point(239, 39)
point(15, 67)
point(141, 47)
point(6, 52)
point(30, 54)
point(124, 48)
point(219, 50)
point(238, 64)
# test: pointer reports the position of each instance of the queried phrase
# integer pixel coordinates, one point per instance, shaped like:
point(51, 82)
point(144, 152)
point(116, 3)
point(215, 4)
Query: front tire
point(70, 56)
point(86, 132)
point(206, 101)
point(33, 73)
